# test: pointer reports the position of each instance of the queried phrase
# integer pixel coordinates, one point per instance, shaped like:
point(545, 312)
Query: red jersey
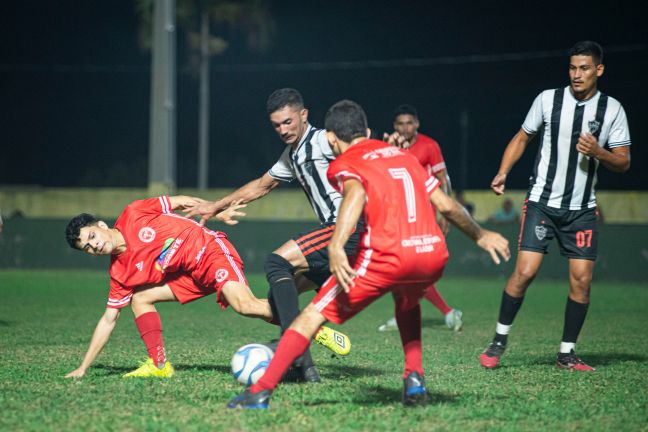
point(428, 153)
point(158, 243)
point(402, 234)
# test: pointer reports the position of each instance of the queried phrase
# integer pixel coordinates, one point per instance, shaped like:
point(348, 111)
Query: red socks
point(150, 329)
point(409, 326)
point(433, 296)
point(291, 346)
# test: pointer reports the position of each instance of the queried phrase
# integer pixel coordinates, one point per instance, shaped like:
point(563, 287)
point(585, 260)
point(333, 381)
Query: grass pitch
point(46, 319)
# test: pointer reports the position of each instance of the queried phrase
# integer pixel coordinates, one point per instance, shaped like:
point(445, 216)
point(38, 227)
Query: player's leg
point(537, 230)
point(578, 240)
point(244, 302)
point(149, 326)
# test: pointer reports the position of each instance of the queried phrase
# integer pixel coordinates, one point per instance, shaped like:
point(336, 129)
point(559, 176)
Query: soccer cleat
point(453, 320)
point(414, 391)
point(337, 342)
point(310, 375)
point(389, 325)
point(148, 370)
point(247, 400)
point(491, 355)
point(571, 362)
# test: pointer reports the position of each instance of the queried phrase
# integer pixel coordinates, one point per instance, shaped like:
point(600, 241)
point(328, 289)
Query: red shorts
point(219, 264)
point(338, 306)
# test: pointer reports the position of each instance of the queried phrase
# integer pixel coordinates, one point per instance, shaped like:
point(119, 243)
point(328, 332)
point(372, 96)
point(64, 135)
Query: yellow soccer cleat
point(148, 370)
point(337, 342)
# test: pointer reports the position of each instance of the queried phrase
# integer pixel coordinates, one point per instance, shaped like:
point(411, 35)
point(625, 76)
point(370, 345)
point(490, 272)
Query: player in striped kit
point(580, 129)
point(301, 263)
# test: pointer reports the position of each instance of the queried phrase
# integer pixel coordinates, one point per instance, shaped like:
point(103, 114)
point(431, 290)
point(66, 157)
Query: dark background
point(75, 86)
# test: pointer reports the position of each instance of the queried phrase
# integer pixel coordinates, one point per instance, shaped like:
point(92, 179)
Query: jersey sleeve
point(619, 131)
point(431, 184)
point(436, 158)
point(325, 147)
point(119, 296)
point(152, 205)
point(533, 120)
point(338, 172)
point(282, 170)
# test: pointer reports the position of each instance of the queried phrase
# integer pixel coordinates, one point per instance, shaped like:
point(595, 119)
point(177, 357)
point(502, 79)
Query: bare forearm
point(100, 337)
point(252, 191)
point(348, 216)
point(459, 217)
point(615, 162)
point(513, 152)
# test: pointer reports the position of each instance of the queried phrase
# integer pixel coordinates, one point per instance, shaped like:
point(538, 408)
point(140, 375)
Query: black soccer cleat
point(310, 375)
point(491, 355)
point(247, 400)
point(414, 391)
point(571, 362)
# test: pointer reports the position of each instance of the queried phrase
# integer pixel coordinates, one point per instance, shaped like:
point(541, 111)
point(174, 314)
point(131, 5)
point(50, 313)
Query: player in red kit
point(428, 152)
point(402, 250)
point(159, 256)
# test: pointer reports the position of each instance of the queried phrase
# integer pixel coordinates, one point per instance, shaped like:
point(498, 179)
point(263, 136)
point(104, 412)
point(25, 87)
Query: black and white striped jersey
point(562, 177)
point(309, 164)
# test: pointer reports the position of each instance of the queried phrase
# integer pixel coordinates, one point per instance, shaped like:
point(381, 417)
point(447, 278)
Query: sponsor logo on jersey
point(221, 275)
point(593, 126)
point(385, 152)
point(140, 265)
point(540, 232)
point(160, 264)
point(200, 254)
point(147, 234)
point(422, 244)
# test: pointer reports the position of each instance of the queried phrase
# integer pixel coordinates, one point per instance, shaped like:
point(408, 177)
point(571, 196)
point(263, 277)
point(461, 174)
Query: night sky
point(75, 85)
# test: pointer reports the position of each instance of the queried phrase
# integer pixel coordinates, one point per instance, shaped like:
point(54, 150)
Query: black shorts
point(313, 245)
point(575, 230)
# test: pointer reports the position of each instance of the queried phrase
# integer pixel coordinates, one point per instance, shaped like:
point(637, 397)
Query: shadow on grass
point(433, 322)
point(340, 371)
point(4, 323)
point(385, 396)
point(115, 370)
point(593, 359)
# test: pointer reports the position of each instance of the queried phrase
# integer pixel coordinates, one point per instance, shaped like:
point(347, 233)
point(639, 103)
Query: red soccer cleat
point(491, 355)
point(571, 362)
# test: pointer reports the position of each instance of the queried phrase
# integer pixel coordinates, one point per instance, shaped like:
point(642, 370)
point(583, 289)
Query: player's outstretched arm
point(230, 213)
point(493, 243)
point(348, 216)
point(99, 339)
point(512, 154)
point(183, 202)
point(243, 195)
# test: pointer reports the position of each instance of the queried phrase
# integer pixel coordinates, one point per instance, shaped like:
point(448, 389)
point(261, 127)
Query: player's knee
point(277, 268)
point(524, 275)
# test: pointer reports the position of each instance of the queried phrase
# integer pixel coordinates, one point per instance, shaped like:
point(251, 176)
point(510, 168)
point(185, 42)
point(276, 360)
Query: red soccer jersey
point(428, 153)
point(402, 233)
point(158, 243)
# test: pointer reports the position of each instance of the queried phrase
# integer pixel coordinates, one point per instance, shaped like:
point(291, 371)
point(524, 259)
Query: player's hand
point(77, 373)
point(206, 210)
point(186, 202)
point(495, 244)
point(339, 266)
point(498, 184)
point(588, 145)
point(397, 140)
point(232, 211)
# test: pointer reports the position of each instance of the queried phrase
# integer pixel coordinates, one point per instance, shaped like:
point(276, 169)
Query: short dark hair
point(588, 48)
point(405, 109)
point(73, 229)
point(282, 98)
point(347, 120)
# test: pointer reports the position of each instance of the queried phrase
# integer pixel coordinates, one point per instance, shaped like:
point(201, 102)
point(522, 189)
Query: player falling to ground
point(301, 263)
point(159, 256)
point(580, 128)
point(428, 153)
point(402, 250)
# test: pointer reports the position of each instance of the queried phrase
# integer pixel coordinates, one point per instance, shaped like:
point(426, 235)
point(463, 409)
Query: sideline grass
point(46, 319)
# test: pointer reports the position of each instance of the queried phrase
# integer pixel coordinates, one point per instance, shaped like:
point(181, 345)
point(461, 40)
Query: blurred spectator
point(506, 214)
point(1, 224)
point(470, 207)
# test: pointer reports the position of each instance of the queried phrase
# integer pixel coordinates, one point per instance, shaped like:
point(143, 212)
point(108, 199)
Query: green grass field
point(46, 319)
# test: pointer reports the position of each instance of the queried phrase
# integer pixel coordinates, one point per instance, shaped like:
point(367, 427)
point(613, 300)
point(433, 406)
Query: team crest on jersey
point(540, 232)
point(221, 274)
point(594, 126)
point(146, 234)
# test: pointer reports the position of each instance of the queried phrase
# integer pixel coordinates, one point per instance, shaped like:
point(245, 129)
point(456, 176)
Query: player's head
point(287, 114)
point(585, 67)
point(345, 121)
point(406, 121)
point(90, 235)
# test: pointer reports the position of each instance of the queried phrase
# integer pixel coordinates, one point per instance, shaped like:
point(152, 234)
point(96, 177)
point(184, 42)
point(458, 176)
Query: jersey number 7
point(410, 198)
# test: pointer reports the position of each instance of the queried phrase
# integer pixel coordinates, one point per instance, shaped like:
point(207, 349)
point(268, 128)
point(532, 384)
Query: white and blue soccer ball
point(250, 363)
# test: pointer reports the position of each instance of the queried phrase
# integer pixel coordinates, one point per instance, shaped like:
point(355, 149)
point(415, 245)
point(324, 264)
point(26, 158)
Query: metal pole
point(162, 134)
point(203, 118)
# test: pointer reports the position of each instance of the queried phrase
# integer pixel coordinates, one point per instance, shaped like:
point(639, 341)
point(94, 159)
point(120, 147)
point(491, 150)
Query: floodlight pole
point(203, 117)
point(162, 133)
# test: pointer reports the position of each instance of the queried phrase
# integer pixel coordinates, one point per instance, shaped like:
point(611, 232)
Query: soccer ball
point(250, 363)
